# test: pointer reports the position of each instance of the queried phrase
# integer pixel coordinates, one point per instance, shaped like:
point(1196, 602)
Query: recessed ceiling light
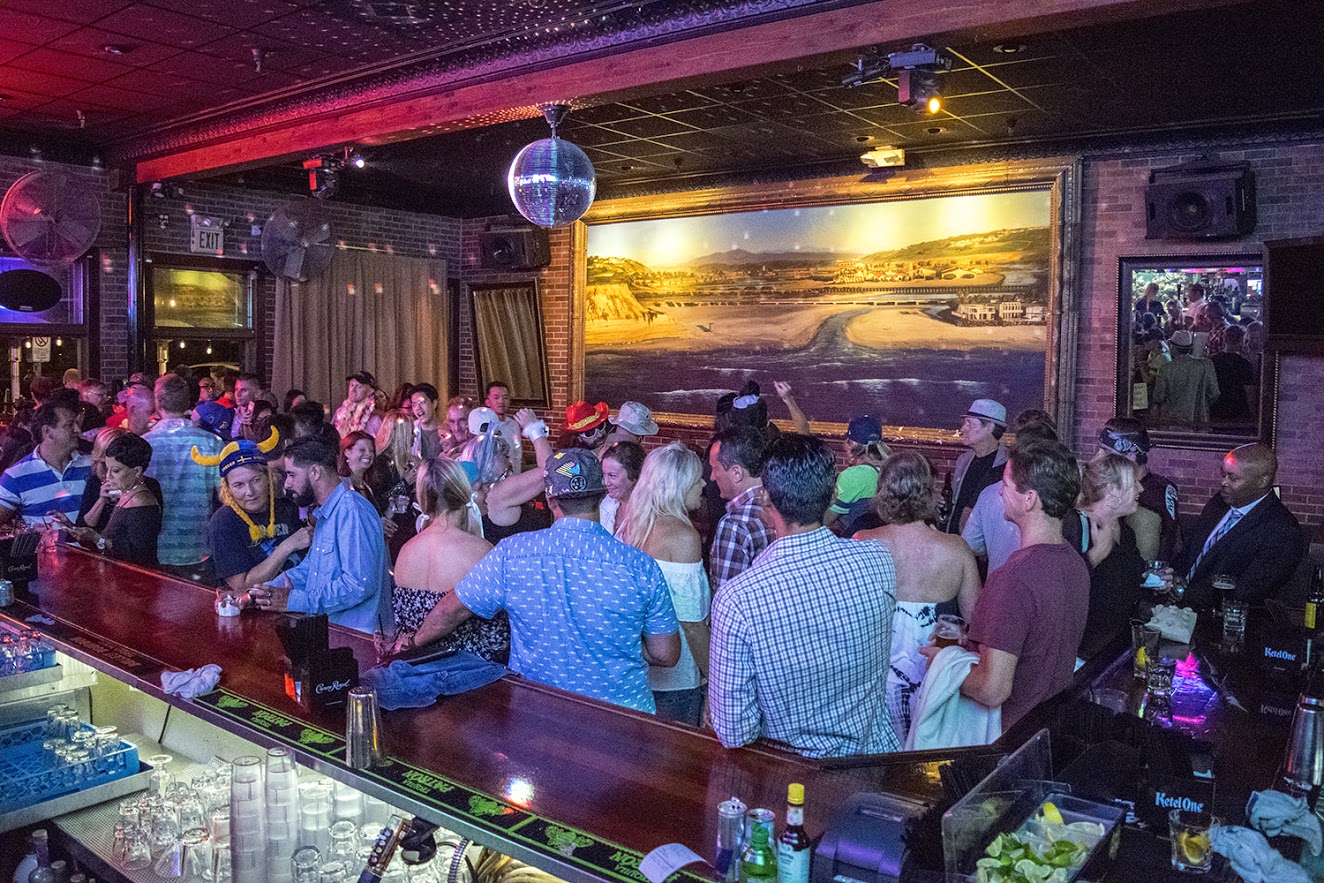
point(864, 139)
point(116, 49)
point(625, 167)
point(1009, 48)
point(936, 130)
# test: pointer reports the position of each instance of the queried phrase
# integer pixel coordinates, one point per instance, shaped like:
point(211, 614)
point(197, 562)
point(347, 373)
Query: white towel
point(940, 716)
point(192, 682)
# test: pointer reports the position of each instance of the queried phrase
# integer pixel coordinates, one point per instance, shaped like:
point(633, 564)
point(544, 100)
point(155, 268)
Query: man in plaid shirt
point(736, 460)
point(801, 641)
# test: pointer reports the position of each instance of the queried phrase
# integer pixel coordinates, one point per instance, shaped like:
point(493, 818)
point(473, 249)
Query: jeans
point(682, 706)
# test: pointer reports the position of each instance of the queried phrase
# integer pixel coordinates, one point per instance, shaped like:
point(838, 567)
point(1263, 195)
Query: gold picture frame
point(1059, 177)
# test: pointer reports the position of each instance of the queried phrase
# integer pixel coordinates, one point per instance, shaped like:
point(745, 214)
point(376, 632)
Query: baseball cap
point(635, 418)
point(1127, 444)
point(481, 418)
point(987, 409)
point(865, 430)
point(574, 473)
point(364, 377)
point(215, 418)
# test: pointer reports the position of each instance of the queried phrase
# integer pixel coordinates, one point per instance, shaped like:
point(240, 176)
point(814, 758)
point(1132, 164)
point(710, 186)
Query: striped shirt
point(32, 487)
point(187, 488)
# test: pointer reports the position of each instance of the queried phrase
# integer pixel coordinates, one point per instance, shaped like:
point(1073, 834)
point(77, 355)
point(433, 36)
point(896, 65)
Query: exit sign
point(208, 236)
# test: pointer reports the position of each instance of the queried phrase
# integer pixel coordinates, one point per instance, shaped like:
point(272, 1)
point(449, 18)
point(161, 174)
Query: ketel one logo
point(1285, 655)
point(1183, 803)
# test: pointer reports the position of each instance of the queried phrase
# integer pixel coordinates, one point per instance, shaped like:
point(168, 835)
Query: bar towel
point(192, 682)
point(1274, 813)
point(1254, 860)
point(941, 716)
point(404, 685)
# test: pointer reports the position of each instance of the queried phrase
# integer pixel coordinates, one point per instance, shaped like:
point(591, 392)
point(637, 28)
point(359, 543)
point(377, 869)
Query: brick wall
point(242, 211)
point(112, 254)
point(1288, 179)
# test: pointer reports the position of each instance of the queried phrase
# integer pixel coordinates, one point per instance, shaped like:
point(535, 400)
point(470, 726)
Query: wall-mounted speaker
point(514, 248)
point(1200, 202)
point(29, 291)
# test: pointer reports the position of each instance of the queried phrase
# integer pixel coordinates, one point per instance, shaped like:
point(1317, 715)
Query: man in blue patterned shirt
point(588, 613)
point(802, 639)
point(188, 490)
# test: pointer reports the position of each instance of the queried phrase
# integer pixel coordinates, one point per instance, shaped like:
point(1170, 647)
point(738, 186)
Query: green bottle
point(758, 863)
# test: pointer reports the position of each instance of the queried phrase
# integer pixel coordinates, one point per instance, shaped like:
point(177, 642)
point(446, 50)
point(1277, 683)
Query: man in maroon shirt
point(1030, 615)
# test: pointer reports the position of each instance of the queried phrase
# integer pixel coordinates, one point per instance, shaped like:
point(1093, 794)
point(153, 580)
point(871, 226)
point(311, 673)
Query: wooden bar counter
point(530, 770)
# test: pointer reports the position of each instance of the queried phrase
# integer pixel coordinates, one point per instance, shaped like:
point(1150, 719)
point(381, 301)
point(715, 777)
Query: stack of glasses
point(27, 651)
point(248, 821)
point(282, 791)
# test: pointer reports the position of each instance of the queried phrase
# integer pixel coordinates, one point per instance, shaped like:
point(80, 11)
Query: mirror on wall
point(1191, 357)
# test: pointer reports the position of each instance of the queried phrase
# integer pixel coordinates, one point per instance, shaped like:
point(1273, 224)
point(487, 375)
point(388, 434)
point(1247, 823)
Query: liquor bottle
point(44, 873)
point(758, 864)
point(37, 848)
point(1315, 602)
point(793, 845)
point(945, 506)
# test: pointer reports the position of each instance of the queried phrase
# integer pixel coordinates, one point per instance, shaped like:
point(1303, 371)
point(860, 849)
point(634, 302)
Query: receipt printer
point(865, 843)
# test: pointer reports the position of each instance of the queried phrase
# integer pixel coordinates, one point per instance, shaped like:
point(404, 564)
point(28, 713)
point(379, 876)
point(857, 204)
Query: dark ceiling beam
point(633, 73)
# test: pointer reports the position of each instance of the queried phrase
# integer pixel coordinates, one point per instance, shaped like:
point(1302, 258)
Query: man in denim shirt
point(344, 574)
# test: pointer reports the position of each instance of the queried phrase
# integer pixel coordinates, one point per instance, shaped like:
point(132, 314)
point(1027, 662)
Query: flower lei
point(255, 533)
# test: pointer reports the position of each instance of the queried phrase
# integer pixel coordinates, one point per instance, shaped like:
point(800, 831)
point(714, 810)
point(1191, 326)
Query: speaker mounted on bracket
point(514, 248)
point(1200, 200)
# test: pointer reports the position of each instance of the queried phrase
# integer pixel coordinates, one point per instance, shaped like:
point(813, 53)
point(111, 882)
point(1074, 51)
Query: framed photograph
point(906, 297)
point(508, 340)
point(1192, 360)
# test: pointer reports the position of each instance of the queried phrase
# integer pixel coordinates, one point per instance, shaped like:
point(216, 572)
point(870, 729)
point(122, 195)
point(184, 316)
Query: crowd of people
point(776, 585)
point(1196, 356)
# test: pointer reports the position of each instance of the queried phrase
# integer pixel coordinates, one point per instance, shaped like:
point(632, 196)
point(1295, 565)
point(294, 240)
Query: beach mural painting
point(908, 309)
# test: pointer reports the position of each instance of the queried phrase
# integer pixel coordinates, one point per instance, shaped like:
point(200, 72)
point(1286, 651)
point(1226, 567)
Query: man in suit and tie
point(1245, 531)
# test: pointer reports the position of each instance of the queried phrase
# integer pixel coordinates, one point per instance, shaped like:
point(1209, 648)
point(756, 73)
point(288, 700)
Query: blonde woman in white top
point(657, 521)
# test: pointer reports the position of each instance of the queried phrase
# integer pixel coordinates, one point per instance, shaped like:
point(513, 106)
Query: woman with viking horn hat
point(256, 534)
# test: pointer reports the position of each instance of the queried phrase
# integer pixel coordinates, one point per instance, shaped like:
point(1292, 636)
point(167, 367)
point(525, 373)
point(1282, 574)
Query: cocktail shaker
point(363, 729)
point(1303, 762)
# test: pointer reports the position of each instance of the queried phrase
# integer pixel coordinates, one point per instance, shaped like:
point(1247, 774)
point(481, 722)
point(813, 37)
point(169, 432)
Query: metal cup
point(363, 729)
point(1303, 762)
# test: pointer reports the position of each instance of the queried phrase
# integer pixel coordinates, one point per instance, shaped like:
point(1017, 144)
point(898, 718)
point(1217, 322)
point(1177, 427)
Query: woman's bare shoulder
point(674, 540)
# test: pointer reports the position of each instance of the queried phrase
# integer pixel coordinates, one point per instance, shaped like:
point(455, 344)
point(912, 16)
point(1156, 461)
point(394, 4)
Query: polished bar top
point(621, 775)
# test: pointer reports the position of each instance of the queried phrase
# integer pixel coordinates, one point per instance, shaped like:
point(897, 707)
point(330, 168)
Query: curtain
point(370, 311)
point(510, 340)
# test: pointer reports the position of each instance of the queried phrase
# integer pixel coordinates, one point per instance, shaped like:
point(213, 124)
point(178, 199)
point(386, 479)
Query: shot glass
point(1234, 620)
point(1144, 647)
point(1192, 851)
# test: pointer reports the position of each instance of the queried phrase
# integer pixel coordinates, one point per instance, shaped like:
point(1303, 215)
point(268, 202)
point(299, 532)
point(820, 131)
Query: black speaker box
point(29, 291)
point(515, 248)
point(1200, 203)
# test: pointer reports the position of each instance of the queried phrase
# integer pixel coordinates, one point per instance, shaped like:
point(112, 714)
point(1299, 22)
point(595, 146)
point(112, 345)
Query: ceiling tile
point(23, 28)
point(648, 127)
point(707, 117)
point(278, 55)
point(202, 66)
point(10, 50)
point(79, 67)
point(233, 13)
point(155, 82)
point(967, 82)
point(1037, 72)
point(80, 11)
point(89, 41)
point(19, 100)
point(120, 98)
point(670, 103)
point(164, 26)
point(37, 83)
point(743, 91)
point(989, 102)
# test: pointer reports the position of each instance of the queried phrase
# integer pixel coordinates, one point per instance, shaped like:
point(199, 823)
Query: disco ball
point(552, 182)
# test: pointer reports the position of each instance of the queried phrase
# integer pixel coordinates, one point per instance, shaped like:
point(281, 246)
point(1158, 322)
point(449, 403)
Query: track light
point(916, 72)
point(356, 160)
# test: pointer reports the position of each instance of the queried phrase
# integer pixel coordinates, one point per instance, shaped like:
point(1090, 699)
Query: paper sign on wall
point(41, 349)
